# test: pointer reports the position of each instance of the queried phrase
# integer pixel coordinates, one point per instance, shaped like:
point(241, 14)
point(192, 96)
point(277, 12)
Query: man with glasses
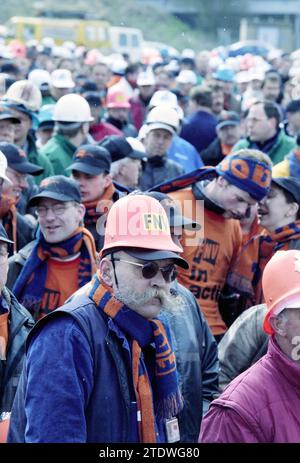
point(19, 228)
point(62, 258)
point(264, 132)
point(117, 379)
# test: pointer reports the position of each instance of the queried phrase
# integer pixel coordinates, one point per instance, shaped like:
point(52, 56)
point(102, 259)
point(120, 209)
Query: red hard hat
point(138, 221)
point(281, 284)
point(117, 100)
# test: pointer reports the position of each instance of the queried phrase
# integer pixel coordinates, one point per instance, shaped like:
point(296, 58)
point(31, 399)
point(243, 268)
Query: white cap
point(62, 78)
point(145, 78)
point(26, 93)
point(188, 53)
point(72, 108)
point(39, 77)
point(48, 42)
point(136, 144)
point(186, 76)
point(69, 45)
point(163, 97)
point(255, 74)
point(3, 167)
point(242, 77)
point(163, 117)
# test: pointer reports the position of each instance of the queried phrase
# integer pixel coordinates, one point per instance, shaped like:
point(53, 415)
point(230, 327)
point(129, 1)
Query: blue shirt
point(185, 154)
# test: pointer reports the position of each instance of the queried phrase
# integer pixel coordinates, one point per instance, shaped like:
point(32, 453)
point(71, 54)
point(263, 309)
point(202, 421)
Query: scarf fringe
point(169, 407)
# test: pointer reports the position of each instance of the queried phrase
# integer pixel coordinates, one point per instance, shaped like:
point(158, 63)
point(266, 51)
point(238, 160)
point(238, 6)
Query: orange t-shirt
point(210, 252)
point(3, 335)
point(61, 283)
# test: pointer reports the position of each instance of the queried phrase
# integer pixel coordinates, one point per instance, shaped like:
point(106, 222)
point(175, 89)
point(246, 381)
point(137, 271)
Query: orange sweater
point(211, 253)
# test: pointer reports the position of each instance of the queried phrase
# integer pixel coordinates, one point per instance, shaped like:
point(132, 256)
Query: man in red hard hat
point(117, 379)
point(262, 404)
point(118, 110)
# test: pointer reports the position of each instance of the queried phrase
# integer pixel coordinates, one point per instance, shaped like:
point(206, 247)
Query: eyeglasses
point(57, 209)
point(150, 269)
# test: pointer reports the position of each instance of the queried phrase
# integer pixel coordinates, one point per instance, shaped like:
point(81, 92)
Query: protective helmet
point(117, 99)
point(26, 93)
point(72, 108)
point(163, 117)
point(281, 284)
point(40, 77)
point(139, 221)
point(166, 97)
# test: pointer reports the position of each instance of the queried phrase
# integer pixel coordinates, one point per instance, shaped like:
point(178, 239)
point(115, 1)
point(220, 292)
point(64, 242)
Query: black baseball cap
point(228, 118)
point(91, 159)
point(289, 184)
point(176, 219)
point(149, 255)
point(17, 159)
point(293, 106)
point(3, 235)
point(5, 114)
point(57, 187)
point(119, 148)
point(93, 99)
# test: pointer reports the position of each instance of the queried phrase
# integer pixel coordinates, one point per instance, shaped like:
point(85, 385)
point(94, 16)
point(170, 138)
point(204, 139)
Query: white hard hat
point(3, 167)
point(48, 42)
point(165, 97)
point(163, 117)
point(25, 93)
point(62, 78)
point(188, 53)
point(145, 78)
point(186, 76)
point(39, 77)
point(72, 108)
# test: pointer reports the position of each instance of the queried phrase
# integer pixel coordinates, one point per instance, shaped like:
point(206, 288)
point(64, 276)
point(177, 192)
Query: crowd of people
point(149, 247)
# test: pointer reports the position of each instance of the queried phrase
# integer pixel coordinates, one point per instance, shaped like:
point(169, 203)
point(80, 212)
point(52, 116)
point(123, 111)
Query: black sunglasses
point(150, 269)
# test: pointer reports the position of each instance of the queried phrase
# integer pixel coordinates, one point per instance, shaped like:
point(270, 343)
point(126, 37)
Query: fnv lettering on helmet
point(155, 222)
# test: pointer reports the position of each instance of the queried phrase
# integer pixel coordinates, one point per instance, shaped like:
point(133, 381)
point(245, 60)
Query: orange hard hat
point(281, 284)
point(139, 221)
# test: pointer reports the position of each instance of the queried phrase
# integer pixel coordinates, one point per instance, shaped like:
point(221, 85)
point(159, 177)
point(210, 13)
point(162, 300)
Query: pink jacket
point(260, 405)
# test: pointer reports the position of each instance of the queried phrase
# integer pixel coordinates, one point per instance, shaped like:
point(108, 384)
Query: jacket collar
point(287, 367)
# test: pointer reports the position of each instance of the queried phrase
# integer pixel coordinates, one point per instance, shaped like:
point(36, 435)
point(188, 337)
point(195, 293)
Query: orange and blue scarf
point(30, 284)
point(268, 245)
point(161, 400)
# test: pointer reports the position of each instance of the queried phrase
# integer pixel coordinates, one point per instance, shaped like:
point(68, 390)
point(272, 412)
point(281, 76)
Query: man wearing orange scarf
point(103, 364)
point(62, 258)
point(90, 169)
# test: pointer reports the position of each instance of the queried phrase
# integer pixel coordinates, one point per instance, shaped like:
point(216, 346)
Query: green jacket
point(59, 151)
point(38, 158)
point(282, 146)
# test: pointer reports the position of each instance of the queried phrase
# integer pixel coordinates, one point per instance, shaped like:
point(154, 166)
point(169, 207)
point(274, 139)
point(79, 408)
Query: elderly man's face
point(287, 328)
point(147, 297)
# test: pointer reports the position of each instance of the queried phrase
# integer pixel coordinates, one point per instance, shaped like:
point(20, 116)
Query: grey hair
point(117, 165)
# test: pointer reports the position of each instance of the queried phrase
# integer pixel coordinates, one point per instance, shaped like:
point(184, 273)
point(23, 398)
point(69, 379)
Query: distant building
point(274, 22)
